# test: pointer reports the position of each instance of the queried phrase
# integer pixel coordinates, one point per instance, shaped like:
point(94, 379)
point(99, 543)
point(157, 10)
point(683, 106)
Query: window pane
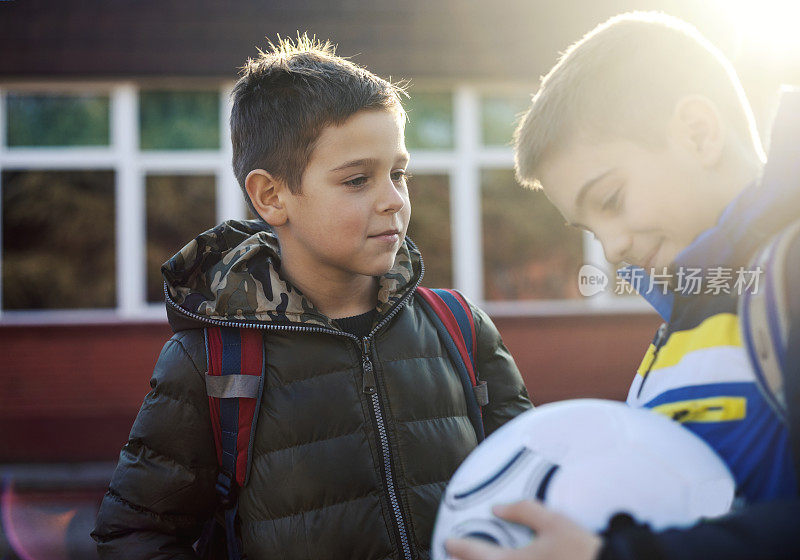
point(178, 208)
point(58, 239)
point(499, 116)
point(179, 120)
point(57, 120)
point(528, 252)
point(430, 121)
point(430, 227)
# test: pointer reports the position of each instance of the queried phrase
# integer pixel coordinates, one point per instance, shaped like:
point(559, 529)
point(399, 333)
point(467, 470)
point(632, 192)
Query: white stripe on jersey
point(707, 366)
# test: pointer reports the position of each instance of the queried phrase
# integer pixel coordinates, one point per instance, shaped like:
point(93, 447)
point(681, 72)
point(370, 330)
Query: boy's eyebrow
point(365, 162)
point(354, 163)
point(586, 187)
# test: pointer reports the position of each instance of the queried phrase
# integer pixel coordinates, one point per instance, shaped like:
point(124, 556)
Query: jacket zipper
point(661, 338)
point(369, 387)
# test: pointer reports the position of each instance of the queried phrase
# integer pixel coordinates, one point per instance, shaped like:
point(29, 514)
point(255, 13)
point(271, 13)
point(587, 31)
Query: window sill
point(157, 314)
point(72, 317)
point(568, 307)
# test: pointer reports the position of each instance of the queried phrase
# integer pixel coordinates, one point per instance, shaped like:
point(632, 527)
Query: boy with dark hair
point(642, 135)
point(362, 418)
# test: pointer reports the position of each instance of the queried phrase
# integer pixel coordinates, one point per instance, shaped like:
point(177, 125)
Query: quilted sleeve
point(163, 487)
point(767, 530)
point(508, 396)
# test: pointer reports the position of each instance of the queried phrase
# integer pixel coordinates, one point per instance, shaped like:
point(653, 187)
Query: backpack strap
point(765, 321)
point(234, 383)
point(453, 319)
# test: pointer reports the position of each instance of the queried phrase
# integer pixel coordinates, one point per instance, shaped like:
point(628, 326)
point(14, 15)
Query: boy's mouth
point(650, 259)
point(388, 235)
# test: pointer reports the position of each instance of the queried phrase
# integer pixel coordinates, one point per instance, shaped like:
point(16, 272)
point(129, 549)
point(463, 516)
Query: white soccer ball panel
point(589, 459)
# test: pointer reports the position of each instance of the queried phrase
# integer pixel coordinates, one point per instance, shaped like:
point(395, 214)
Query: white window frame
point(462, 164)
point(131, 166)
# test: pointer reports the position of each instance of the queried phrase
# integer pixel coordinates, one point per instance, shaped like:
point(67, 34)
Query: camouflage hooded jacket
point(337, 472)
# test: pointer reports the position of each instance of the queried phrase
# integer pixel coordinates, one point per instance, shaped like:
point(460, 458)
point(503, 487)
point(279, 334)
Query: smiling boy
point(641, 134)
point(362, 417)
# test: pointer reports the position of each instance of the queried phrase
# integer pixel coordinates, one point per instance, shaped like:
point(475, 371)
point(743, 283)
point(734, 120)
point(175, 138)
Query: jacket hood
point(231, 273)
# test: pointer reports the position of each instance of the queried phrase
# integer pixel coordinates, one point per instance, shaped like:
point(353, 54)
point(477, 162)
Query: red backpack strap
point(234, 384)
point(453, 319)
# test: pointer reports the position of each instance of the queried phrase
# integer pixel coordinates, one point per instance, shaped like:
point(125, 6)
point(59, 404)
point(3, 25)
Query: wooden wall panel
point(70, 393)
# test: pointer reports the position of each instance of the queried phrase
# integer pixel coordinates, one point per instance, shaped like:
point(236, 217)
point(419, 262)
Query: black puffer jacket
point(339, 471)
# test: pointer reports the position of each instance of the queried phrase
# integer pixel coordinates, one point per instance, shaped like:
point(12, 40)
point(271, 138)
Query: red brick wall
point(70, 393)
point(578, 356)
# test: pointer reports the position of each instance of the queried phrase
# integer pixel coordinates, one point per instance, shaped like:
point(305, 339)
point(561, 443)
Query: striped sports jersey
point(698, 371)
point(699, 374)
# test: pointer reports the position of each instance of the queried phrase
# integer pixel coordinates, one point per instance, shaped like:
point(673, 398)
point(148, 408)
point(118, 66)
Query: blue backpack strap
point(769, 319)
point(765, 317)
point(234, 384)
point(453, 319)
point(791, 375)
point(463, 316)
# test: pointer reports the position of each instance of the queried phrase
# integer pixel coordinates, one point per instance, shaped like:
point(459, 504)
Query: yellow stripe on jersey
point(647, 361)
point(718, 330)
point(712, 409)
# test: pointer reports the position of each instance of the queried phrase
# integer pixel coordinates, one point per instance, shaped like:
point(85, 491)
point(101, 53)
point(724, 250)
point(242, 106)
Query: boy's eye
point(399, 175)
point(356, 182)
point(613, 202)
point(361, 181)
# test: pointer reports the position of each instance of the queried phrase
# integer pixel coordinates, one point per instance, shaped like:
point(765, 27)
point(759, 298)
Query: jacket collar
point(231, 274)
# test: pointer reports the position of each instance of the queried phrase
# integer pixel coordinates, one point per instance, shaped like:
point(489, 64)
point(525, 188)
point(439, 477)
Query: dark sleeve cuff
point(627, 540)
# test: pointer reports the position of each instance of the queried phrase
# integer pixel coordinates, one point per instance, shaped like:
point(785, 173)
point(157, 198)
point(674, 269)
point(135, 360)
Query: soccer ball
point(588, 459)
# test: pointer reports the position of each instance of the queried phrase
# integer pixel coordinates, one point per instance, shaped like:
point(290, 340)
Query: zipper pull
point(661, 336)
point(368, 386)
point(646, 366)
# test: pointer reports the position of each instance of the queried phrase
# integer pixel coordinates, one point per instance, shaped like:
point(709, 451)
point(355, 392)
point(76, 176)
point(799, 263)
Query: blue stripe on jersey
point(756, 448)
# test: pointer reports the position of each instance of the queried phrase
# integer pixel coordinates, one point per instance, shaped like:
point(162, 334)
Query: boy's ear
point(266, 193)
point(697, 126)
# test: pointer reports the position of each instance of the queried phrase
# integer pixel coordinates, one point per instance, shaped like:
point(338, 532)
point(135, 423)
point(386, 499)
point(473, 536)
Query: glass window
point(499, 116)
point(179, 120)
point(178, 208)
point(42, 120)
point(430, 227)
point(528, 252)
point(58, 239)
point(430, 121)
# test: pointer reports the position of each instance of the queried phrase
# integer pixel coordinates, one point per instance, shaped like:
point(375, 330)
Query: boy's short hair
point(622, 81)
point(287, 95)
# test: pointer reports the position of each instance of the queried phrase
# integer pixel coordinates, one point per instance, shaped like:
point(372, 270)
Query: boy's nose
point(392, 198)
point(616, 245)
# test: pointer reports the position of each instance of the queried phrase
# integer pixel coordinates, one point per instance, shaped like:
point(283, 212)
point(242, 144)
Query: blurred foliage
point(179, 120)
point(528, 252)
point(57, 120)
point(58, 239)
point(430, 227)
point(430, 121)
point(179, 207)
point(499, 117)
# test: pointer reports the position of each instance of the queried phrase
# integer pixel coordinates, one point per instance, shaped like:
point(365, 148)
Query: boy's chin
point(382, 270)
point(374, 269)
